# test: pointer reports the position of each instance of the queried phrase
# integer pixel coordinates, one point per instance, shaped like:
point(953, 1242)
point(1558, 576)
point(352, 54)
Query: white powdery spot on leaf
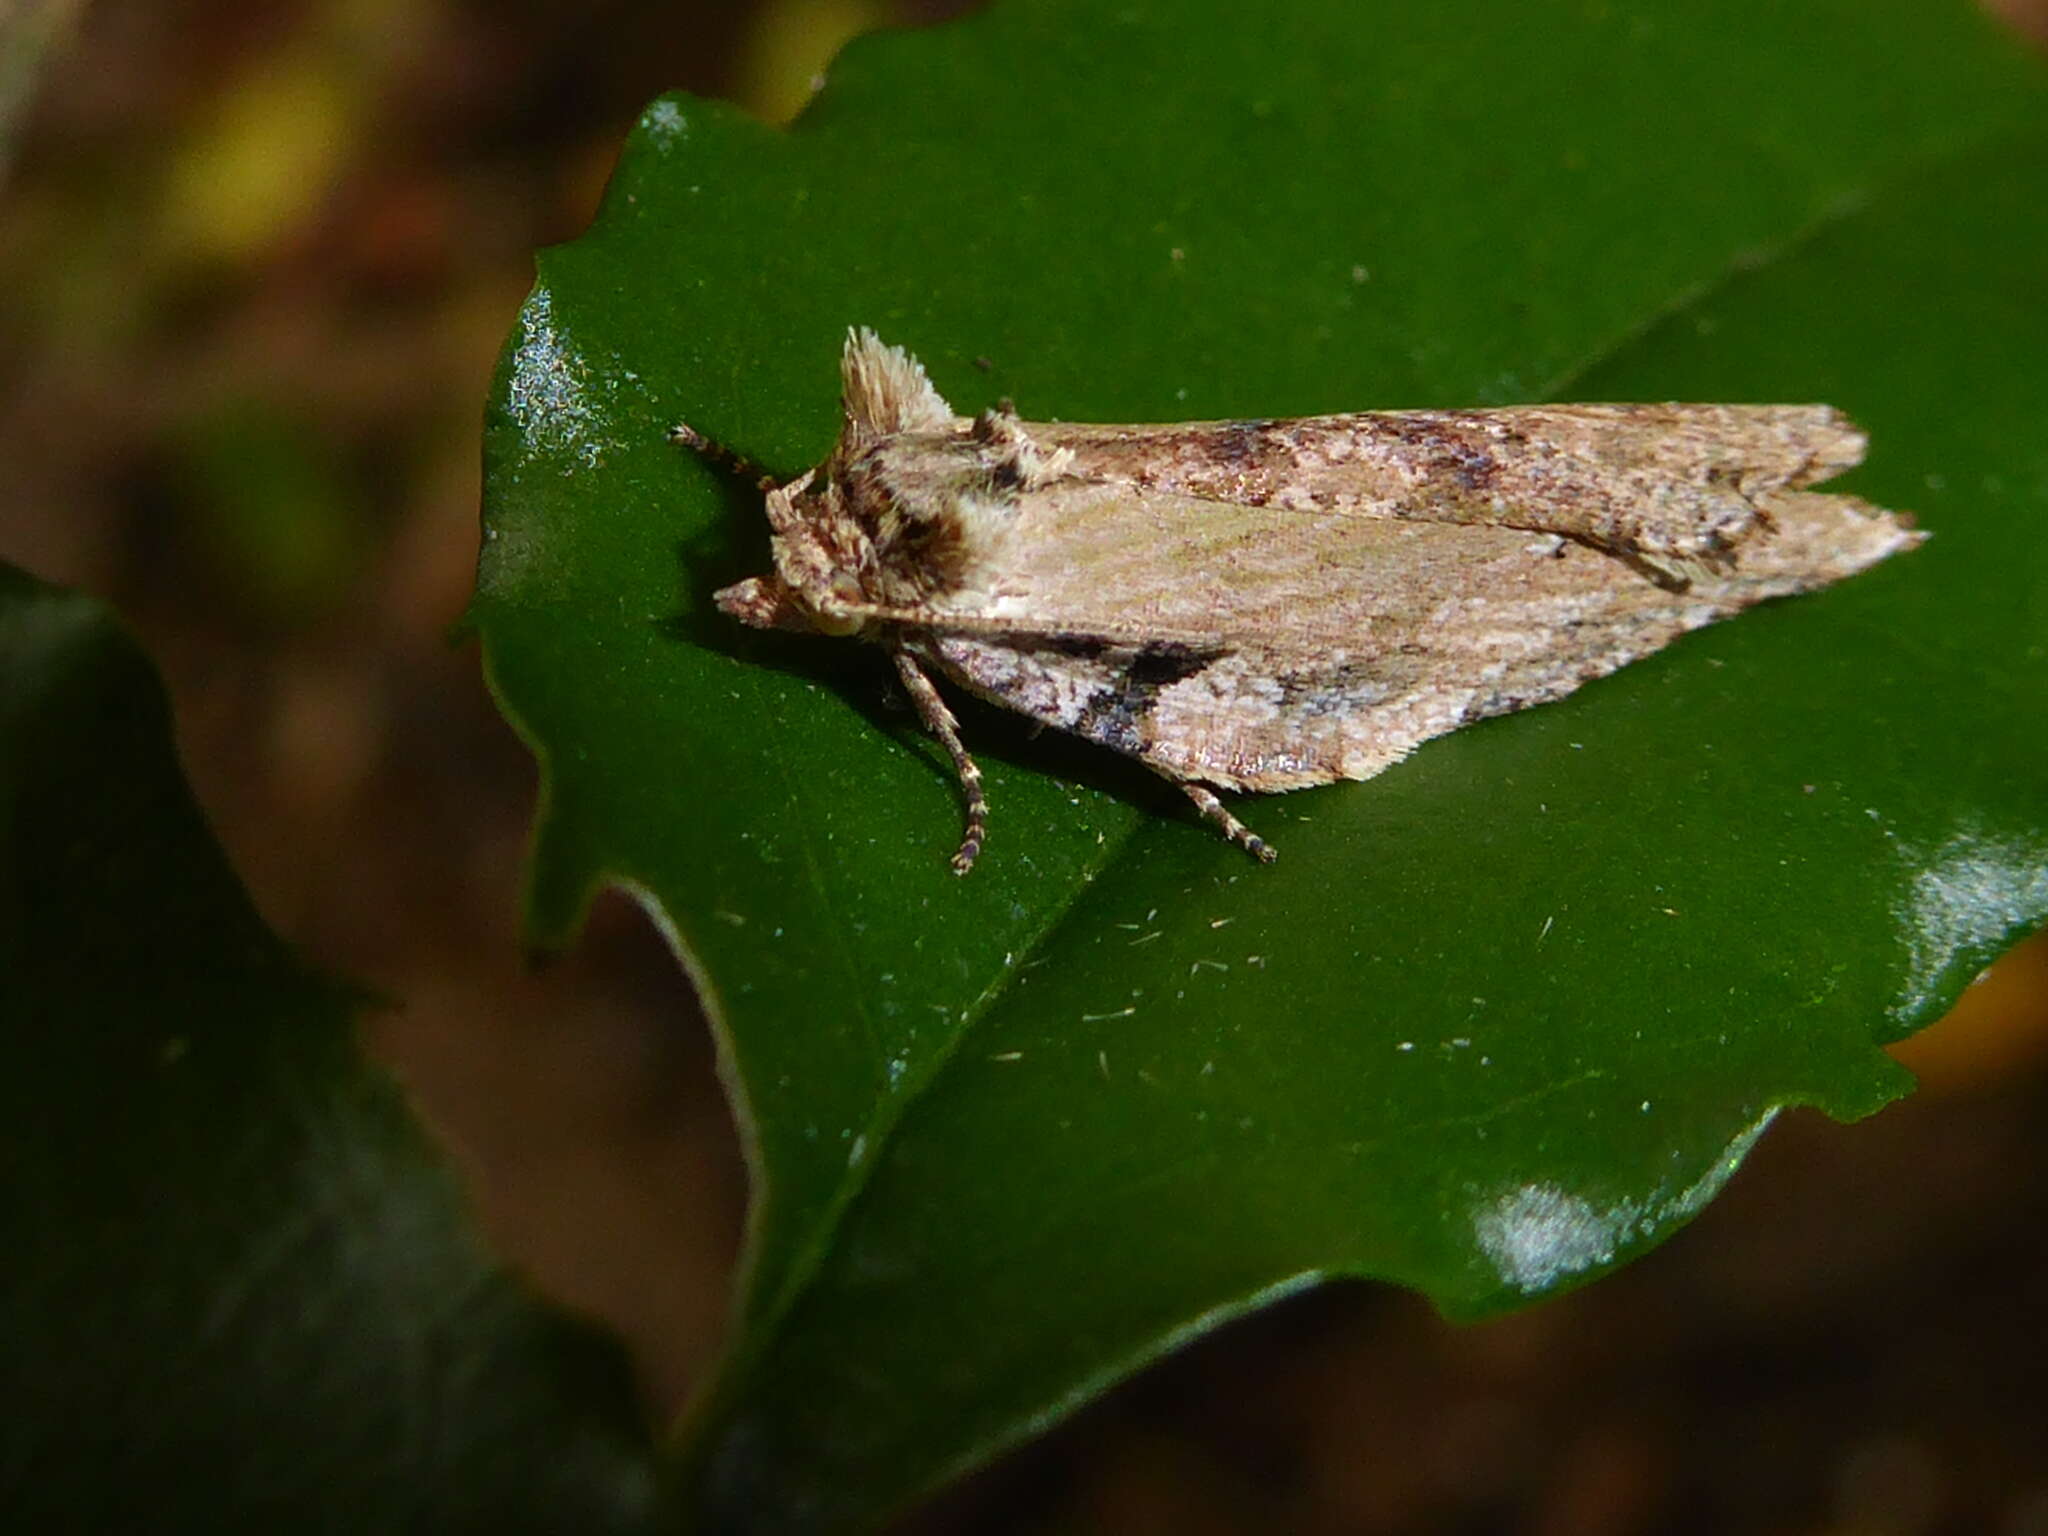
point(665, 123)
point(549, 389)
point(1539, 1234)
point(1973, 891)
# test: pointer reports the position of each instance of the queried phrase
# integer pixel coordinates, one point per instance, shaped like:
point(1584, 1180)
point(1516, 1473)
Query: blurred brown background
point(256, 261)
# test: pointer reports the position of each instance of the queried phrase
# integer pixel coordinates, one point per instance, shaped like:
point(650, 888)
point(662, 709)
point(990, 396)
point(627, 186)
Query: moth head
point(805, 605)
point(811, 588)
point(817, 553)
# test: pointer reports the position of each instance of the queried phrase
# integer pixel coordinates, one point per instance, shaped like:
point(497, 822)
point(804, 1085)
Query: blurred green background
point(256, 262)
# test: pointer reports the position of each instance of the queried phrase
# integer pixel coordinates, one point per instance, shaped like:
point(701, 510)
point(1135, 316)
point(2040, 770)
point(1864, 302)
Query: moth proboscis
point(1266, 605)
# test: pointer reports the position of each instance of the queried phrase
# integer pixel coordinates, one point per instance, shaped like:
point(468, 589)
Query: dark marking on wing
point(1113, 716)
point(1162, 663)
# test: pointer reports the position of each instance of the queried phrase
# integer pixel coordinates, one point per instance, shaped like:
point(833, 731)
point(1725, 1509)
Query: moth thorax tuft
point(884, 389)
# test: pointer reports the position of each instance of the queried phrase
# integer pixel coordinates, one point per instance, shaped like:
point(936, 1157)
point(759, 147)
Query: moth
point(1265, 605)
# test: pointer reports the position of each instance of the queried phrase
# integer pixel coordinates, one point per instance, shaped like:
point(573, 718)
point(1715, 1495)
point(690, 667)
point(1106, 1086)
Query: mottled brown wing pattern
point(1271, 604)
point(1658, 481)
point(1241, 664)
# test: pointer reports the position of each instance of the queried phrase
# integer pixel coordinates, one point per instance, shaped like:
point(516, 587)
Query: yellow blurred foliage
point(789, 47)
point(263, 160)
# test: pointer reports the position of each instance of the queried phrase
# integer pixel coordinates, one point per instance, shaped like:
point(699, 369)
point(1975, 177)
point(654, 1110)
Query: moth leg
point(725, 458)
point(1213, 810)
point(939, 720)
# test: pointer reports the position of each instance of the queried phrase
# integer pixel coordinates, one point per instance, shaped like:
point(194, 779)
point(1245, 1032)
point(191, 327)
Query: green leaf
point(240, 1291)
point(1498, 1019)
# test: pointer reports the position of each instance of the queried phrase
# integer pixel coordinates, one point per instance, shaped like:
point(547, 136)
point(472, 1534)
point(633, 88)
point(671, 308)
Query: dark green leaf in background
point(239, 1291)
point(1498, 1019)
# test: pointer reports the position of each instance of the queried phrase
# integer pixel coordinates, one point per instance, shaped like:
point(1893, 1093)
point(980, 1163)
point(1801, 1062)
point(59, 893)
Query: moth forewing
point(1646, 480)
point(1265, 605)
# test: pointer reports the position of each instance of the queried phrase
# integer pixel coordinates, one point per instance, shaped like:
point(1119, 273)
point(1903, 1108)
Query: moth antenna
point(939, 720)
point(728, 459)
point(1214, 811)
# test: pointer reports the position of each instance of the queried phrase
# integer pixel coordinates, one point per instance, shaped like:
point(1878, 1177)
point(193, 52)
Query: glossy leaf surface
point(1498, 1019)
